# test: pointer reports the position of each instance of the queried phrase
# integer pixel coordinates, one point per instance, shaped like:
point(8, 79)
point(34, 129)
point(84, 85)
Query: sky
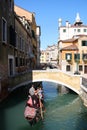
point(49, 11)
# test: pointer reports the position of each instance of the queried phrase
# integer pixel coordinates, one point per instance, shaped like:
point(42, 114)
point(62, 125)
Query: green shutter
point(86, 43)
point(76, 57)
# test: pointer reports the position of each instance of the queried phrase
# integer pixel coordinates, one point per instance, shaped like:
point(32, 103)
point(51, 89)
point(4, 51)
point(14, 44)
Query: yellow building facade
point(73, 55)
point(43, 56)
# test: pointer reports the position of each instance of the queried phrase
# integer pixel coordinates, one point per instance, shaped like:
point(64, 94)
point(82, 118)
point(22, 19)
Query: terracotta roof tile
point(71, 48)
point(69, 40)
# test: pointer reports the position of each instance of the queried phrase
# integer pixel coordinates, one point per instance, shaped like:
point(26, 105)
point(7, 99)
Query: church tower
point(78, 21)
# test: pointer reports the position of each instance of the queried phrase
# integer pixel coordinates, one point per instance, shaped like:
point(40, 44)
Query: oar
point(41, 108)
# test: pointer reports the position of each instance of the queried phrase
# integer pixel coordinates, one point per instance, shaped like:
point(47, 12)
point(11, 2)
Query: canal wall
point(19, 80)
point(83, 93)
point(14, 82)
point(84, 97)
point(9, 84)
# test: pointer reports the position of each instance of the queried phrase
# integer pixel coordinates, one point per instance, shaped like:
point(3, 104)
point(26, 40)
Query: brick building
point(18, 43)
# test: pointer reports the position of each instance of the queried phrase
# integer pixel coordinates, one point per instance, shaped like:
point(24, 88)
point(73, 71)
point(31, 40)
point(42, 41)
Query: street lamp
point(77, 61)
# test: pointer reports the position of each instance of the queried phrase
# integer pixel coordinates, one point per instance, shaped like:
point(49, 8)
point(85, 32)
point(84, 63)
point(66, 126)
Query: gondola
point(33, 115)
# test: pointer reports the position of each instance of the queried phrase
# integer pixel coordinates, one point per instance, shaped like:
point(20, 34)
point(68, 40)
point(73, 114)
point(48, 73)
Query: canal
point(63, 111)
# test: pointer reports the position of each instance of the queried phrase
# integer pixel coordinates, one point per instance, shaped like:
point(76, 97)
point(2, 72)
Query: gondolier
point(34, 107)
point(31, 90)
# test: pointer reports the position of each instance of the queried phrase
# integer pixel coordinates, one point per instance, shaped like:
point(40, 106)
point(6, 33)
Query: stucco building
point(72, 47)
point(50, 55)
point(43, 57)
point(70, 30)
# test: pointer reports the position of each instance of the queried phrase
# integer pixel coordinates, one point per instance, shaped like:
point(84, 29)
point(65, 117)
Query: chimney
point(67, 24)
point(60, 22)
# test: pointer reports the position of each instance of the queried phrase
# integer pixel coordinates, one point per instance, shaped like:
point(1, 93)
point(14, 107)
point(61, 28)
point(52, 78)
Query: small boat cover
point(29, 112)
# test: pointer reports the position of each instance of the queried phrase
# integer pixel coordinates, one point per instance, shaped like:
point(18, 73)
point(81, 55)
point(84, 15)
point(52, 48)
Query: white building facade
point(52, 54)
point(68, 31)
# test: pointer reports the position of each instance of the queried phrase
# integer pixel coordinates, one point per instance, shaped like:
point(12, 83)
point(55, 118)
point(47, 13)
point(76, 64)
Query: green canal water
point(63, 112)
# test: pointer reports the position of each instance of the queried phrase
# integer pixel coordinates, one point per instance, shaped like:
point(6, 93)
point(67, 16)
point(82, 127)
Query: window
point(74, 30)
point(76, 57)
point(12, 36)
point(16, 38)
point(10, 65)
point(68, 68)
point(85, 30)
point(68, 56)
point(16, 61)
point(80, 67)
point(23, 61)
point(26, 45)
point(84, 43)
point(64, 30)
point(11, 5)
point(4, 30)
point(20, 39)
point(20, 61)
point(33, 34)
point(78, 30)
point(84, 56)
point(22, 45)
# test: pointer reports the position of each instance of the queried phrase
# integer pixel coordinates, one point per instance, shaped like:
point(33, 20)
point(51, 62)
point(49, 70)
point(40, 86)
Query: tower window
point(85, 30)
point(64, 30)
point(78, 30)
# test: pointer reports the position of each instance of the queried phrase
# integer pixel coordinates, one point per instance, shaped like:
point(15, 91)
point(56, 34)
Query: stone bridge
point(72, 82)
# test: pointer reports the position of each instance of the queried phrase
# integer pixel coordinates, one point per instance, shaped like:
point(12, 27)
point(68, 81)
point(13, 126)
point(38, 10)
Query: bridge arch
point(58, 82)
point(70, 81)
